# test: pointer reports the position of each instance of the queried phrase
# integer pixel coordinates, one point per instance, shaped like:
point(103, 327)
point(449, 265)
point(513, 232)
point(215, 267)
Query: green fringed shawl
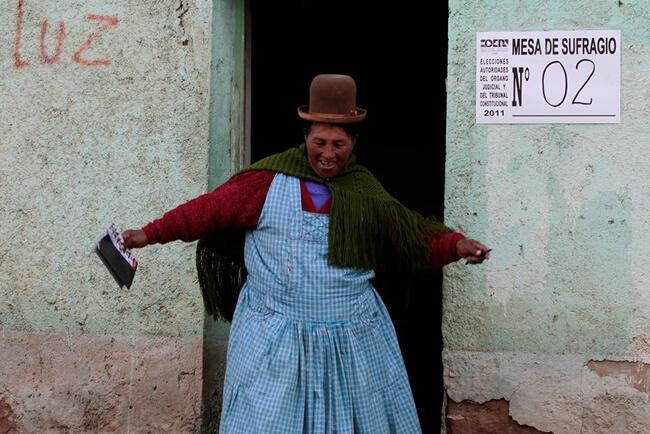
point(369, 229)
point(364, 219)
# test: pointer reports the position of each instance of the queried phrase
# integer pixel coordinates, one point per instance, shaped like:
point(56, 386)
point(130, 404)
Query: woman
point(312, 348)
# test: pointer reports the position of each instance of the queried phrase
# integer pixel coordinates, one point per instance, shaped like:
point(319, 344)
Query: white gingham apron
point(312, 348)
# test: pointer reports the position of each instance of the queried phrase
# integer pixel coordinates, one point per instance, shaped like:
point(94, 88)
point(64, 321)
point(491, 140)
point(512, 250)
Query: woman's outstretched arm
point(237, 203)
point(452, 246)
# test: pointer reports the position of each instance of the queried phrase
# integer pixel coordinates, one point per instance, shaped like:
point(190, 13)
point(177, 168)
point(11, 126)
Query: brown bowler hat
point(332, 100)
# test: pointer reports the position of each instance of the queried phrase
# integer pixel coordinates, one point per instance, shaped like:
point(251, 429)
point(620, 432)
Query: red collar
point(308, 203)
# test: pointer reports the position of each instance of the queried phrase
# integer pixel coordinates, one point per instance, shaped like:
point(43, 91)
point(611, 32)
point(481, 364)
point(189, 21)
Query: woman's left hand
point(473, 251)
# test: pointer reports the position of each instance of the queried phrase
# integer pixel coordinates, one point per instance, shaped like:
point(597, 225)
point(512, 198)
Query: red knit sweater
point(238, 203)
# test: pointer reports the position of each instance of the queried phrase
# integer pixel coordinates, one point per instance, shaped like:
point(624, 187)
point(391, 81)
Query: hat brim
point(304, 113)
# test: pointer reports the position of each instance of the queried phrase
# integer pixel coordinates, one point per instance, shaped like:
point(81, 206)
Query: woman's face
point(328, 149)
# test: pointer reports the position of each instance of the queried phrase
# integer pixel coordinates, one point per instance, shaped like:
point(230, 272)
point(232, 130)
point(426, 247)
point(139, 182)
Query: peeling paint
point(567, 395)
point(490, 417)
point(636, 374)
point(551, 384)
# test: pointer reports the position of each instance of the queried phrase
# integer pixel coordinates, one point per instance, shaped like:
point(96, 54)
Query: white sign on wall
point(548, 77)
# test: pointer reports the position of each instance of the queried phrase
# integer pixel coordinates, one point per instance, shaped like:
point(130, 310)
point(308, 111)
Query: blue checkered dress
point(312, 348)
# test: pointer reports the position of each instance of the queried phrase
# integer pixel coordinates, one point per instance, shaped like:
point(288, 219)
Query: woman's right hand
point(473, 251)
point(135, 238)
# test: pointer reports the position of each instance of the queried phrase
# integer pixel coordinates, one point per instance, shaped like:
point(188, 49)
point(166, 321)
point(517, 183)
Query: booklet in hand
point(119, 260)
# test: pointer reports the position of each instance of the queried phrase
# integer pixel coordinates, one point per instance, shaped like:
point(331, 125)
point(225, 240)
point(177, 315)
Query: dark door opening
point(397, 54)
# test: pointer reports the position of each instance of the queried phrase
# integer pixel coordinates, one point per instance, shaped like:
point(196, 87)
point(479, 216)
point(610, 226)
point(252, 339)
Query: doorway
point(399, 61)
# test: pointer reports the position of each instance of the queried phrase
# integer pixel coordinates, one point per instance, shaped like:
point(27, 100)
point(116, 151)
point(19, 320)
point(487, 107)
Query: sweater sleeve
point(443, 248)
point(237, 203)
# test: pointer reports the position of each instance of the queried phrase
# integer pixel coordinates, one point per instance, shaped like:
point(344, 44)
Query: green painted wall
point(118, 127)
point(563, 206)
point(84, 146)
point(227, 155)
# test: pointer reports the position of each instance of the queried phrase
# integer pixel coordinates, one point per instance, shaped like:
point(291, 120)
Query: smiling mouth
point(326, 164)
